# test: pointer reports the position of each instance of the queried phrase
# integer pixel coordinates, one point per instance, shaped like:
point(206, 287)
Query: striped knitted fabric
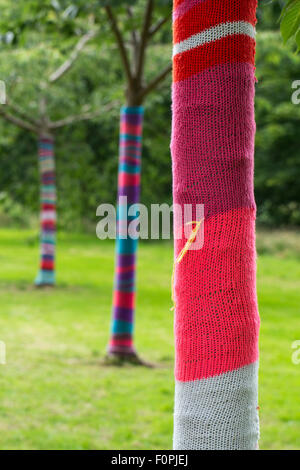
point(46, 274)
point(216, 316)
point(121, 341)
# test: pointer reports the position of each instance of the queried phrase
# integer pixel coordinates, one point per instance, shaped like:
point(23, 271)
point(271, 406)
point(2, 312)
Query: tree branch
point(23, 114)
point(133, 33)
point(135, 41)
point(120, 42)
point(73, 57)
point(155, 82)
point(80, 117)
point(17, 121)
point(144, 39)
point(156, 27)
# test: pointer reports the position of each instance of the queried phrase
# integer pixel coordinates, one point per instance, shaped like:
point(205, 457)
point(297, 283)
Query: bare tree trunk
point(46, 275)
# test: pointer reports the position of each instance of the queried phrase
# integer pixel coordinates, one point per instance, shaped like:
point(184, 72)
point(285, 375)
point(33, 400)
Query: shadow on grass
point(119, 360)
point(27, 286)
point(108, 362)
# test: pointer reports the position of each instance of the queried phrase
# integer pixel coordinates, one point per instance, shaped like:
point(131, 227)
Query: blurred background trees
point(87, 153)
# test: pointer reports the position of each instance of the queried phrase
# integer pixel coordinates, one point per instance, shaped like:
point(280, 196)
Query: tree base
point(122, 359)
point(41, 286)
point(45, 279)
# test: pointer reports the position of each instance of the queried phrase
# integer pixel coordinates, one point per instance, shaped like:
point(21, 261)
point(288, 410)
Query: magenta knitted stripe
point(184, 7)
point(219, 102)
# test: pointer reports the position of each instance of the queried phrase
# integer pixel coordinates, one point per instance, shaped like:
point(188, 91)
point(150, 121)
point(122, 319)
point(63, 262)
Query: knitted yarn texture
point(121, 341)
point(46, 275)
point(216, 315)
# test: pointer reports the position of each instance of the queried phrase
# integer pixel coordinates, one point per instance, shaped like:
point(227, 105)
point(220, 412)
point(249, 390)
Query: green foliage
point(45, 15)
point(129, 22)
point(12, 213)
point(290, 21)
point(87, 153)
point(277, 164)
point(126, 3)
point(268, 12)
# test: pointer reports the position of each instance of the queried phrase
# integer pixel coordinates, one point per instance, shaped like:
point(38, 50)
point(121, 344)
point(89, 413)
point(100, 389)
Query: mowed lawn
point(55, 392)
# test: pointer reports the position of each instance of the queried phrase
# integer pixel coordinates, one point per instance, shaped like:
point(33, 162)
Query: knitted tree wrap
point(121, 341)
point(46, 274)
point(216, 315)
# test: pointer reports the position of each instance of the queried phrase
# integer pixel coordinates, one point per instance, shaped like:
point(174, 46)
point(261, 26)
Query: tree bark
point(46, 275)
point(121, 342)
point(216, 315)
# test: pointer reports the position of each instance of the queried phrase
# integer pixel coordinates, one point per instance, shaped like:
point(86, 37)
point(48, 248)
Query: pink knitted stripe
point(125, 269)
point(185, 6)
point(129, 143)
point(124, 299)
point(45, 153)
point(126, 179)
point(215, 171)
point(130, 128)
point(121, 342)
point(217, 322)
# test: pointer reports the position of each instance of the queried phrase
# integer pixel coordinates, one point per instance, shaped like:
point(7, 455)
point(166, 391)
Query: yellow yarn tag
point(182, 253)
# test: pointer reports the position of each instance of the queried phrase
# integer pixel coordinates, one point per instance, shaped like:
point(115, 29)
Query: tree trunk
point(46, 275)
point(121, 342)
point(216, 316)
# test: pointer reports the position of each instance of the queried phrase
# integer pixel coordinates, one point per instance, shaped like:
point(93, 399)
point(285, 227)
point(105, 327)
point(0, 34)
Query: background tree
point(35, 117)
point(140, 25)
point(290, 22)
point(89, 176)
point(92, 144)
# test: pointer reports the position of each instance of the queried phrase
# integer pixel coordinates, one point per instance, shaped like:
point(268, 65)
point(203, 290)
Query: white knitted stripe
point(218, 413)
point(48, 215)
point(47, 165)
point(48, 248)
point(214, 33)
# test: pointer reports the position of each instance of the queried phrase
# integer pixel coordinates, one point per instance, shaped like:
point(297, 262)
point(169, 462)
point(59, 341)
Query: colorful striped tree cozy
point(46, 275)
point(216, 315)
point(121, 341)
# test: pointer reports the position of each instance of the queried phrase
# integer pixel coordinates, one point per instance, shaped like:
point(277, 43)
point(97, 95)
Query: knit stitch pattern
point(121, 341)
point(216, 314)
point(46, 275)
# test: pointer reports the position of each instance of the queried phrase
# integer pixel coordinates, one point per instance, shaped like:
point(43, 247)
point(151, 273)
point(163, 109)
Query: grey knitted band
point(218, 413)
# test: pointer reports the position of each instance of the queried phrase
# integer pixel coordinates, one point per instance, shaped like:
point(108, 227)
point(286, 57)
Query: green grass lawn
point(56, 394)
